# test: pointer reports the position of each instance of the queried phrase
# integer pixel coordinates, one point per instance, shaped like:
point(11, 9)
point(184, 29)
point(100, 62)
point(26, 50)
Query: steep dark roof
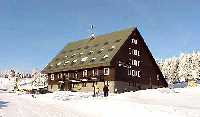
point(89, 53)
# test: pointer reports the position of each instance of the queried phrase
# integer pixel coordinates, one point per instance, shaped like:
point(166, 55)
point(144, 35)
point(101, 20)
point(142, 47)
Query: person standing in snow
point(105, 90)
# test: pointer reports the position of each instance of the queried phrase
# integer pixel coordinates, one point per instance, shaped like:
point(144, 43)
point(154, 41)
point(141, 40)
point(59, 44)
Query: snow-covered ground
point(180, 102)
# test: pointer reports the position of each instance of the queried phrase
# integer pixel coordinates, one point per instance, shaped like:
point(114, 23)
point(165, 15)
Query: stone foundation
point(114, 87)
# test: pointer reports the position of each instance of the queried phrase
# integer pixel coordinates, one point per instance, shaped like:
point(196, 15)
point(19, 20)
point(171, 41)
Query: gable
point(88, 53)
point(137, 59)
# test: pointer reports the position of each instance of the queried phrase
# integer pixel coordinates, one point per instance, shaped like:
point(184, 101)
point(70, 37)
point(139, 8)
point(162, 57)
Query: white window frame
point(129, 72)
point(108, 71)
point(84, 73)
point(76, 75)
point(134, 73)
point(135, 62)
point(95, 72)
point(138, 74)
point(138, 53)
point(129, 51)
point(52, 76)
point(61, 75)
point(134, 41)
point(138, 63)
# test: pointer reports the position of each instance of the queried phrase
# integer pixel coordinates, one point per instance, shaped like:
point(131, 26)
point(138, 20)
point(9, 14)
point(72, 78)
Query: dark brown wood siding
point(148, 70)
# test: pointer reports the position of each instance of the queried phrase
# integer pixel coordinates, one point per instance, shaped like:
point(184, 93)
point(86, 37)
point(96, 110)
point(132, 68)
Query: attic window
point(84, 59)
point(106, 43)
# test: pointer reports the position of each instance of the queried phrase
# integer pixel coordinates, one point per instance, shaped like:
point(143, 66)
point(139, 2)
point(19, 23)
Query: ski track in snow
point(151, 103)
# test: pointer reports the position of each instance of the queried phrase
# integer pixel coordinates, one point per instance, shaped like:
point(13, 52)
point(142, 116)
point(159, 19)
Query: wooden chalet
point(119, 59)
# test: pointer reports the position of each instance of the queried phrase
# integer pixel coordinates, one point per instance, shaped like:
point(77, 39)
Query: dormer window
point(113, 47)
point(73, 55)
point(84, 59)
point(74, 61)
point(100, 50)
point(105, 56)
point(67, 62)
point(91, 52)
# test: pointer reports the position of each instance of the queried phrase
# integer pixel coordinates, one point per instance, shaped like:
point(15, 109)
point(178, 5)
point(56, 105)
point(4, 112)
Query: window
point(136, 52)
point(61, 75)
point(52, 76)
point(95, 72)
point(129, 50)
point(106, 71)
point(139, 74)
point(135, 62)
point(157, 77)
point(67, 75)
point(84, 73)
point(134, 41)
point(190, 60)
point(76, 75)
point(129, 72)
point(120, 63)
point(136, 73)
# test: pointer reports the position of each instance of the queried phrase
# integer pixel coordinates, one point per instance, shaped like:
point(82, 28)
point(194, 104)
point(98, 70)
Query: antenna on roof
point(92, 35)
